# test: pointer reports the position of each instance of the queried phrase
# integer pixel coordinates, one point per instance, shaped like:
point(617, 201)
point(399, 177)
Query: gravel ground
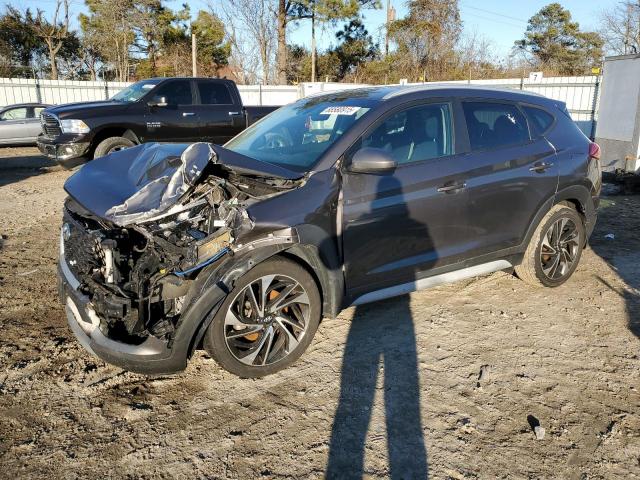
point(452, 380)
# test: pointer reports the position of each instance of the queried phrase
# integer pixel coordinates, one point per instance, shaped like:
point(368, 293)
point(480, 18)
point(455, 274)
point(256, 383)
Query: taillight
point(594, 151)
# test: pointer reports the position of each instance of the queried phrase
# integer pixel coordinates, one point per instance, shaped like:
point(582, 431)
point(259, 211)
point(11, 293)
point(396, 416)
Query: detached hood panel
point(145, 181)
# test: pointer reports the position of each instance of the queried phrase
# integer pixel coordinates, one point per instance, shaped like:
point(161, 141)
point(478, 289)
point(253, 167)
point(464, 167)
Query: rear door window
point(494, 125)
point(415, 134)
point(177, 92)
point(539, 120)
point(214, 93)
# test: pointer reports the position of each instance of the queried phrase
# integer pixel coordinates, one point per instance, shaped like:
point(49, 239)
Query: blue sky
point(500, 21)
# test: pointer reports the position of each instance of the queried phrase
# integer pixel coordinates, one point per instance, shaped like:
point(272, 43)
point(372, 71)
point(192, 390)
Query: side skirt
point(434, 281)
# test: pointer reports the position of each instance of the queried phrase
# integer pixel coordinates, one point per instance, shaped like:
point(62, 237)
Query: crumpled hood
point(145, 181)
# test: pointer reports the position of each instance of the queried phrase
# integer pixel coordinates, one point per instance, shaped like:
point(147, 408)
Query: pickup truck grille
point(50, 125)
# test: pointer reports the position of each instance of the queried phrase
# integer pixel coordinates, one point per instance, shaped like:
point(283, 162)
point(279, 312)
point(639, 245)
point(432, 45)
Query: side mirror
point(158, 102)
point(372, 160)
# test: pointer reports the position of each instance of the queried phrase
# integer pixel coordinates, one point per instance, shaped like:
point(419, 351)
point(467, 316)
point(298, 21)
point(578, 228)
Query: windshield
point(135, 92)
point(295, 136)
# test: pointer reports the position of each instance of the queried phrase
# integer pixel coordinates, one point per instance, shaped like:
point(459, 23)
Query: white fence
point(581, 94)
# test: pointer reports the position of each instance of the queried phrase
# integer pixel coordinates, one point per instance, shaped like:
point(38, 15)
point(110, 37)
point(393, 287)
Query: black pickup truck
point(153, 110)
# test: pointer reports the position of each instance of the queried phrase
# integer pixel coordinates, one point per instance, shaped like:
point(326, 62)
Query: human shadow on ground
point(381, 343)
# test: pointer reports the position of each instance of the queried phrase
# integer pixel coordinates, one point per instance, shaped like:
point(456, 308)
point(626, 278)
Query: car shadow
point(381, 343)
point(14, 168)
point(616, 240)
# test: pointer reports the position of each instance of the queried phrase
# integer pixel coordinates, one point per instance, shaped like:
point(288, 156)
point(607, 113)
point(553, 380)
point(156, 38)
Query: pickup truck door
point(397, 226)
point(219, 110)
point(178, 120)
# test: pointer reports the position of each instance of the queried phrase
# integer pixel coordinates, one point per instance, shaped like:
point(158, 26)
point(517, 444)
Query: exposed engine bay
point(137, 259)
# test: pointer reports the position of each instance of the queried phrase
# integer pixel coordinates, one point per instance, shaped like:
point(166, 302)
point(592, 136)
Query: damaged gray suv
point(332, 201)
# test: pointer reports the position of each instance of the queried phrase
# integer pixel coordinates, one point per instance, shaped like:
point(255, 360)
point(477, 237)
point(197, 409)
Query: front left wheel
point(267, 321)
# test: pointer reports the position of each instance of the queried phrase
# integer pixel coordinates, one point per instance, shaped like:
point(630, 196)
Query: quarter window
point(494, 125)
point(177, 92)
point(416, 134)
point(212, 93)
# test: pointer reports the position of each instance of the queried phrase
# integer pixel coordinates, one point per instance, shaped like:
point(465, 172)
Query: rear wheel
point(110, 145)
point(267, 321)
point(555, 249)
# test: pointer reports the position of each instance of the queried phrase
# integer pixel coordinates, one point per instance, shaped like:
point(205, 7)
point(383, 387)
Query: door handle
point(541, 167)
point(188, 114)
point(233, 113)
point(452, 188)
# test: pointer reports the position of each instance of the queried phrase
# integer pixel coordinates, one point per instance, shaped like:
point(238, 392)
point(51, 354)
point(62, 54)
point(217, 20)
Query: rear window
point(494, 125)
point(213, 93)
point(539, 120)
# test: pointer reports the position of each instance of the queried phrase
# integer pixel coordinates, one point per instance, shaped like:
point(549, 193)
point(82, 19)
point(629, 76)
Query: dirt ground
point(466, 371)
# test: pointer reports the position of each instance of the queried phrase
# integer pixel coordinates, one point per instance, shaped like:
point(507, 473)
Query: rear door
point(220, 114)
point(398, 226)
point(512, 173)
point(178, 120)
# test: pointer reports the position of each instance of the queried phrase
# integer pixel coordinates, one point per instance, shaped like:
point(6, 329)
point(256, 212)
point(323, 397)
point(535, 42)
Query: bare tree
point(281, 73)
point(252, 31)
point(53, 33)
point(621, 28)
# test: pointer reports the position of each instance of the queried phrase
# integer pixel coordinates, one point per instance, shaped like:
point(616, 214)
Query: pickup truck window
point(213, 93)
point(295, 136)
point(177, 92)
point(135, 92)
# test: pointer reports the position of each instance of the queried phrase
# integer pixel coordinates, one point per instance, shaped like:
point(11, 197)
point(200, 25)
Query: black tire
point(110, 145)
point(537, 267)
point(216, 337)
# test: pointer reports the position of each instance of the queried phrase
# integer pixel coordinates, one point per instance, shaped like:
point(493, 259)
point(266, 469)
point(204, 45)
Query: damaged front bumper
point(151, 356)
point(144, 269)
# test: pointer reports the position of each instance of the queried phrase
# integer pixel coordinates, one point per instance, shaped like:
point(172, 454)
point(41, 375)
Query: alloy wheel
point(117, 148)
point(559, 249)
point(266, 320)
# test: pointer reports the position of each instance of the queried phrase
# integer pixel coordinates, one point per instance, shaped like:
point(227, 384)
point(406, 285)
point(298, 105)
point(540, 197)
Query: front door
point(400, 225)
point(14, 128)
point(177, 121)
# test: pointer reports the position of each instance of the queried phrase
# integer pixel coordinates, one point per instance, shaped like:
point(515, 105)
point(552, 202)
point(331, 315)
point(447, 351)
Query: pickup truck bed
point(153, 110)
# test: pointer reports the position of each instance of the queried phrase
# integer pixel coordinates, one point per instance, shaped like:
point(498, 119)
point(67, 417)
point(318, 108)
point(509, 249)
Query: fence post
point(38, 91)
point(260, 94)
point(521, 83)
point(106, 90)
point(596, 94)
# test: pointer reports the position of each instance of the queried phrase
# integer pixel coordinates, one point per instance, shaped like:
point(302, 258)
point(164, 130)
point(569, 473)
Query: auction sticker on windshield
point(342, 110)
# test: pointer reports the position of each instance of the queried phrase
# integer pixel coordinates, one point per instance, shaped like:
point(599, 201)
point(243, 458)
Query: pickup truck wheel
point(110, 145)
point(267, 321)
point(555, 248)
